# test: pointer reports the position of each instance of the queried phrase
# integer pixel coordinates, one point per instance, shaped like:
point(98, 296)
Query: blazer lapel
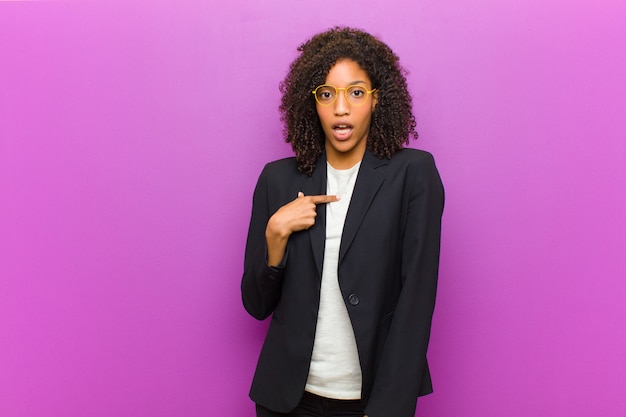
point(316, 185)
point(367, 185)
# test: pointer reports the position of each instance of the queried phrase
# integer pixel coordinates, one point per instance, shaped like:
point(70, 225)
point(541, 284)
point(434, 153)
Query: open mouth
point(342, 130)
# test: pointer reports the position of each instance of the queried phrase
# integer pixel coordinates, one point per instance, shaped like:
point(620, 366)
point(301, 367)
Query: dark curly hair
point(393, 122)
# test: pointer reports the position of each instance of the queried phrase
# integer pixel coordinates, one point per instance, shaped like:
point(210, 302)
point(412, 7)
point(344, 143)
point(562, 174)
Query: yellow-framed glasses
point(356, 95)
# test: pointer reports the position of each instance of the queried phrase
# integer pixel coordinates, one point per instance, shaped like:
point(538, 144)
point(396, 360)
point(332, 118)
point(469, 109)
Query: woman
point(343, 245)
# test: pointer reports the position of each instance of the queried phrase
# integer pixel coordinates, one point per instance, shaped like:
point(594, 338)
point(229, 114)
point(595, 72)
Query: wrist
point(275, 232)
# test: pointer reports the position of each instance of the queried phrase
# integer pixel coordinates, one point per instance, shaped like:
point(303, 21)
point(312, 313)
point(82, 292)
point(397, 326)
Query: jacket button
point(353, 299)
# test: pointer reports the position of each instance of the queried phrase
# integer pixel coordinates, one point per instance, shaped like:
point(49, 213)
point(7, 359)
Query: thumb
point(300, 194)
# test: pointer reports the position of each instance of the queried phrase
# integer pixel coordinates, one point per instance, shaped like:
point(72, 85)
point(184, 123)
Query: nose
point(342, 107)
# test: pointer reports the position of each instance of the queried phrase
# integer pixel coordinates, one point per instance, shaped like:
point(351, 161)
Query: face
point(346, 126)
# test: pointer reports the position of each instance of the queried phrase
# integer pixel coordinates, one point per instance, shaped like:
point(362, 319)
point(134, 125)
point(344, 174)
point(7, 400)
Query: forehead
point(346, 72)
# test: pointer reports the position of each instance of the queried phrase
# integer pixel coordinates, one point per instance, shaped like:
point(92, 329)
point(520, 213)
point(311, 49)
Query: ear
point(374, 100)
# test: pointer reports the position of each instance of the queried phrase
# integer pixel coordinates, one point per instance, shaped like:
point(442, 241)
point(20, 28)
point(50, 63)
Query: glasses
point(356, 95)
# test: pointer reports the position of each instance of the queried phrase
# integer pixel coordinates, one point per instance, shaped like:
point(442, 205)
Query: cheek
point(323, 114)
point(366, 118)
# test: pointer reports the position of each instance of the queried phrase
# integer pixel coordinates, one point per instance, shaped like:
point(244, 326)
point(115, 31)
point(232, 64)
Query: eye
point(357, 92)
point(326, 94)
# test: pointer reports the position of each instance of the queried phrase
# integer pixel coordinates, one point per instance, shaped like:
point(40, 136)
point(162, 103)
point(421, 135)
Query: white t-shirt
point(335, 371)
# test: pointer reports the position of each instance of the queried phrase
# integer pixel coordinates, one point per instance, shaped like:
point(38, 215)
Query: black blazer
point(388, 264)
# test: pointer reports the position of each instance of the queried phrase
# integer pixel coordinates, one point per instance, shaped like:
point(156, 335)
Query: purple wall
point(131, 136)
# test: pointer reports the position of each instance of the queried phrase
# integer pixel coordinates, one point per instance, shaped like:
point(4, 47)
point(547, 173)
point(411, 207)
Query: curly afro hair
point(393, 122)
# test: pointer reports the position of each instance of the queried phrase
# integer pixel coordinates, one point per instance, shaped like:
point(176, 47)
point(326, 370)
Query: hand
point(294, 216)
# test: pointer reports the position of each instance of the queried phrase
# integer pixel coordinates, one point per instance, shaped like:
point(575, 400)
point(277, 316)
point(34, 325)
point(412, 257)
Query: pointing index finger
point(322, 199)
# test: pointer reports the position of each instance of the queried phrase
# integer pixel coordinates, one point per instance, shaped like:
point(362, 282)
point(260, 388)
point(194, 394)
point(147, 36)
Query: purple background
point(131, 137)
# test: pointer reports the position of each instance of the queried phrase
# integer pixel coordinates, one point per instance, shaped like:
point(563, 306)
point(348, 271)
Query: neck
point(344, 160)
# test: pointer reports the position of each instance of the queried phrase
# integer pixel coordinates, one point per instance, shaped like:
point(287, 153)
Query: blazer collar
point(368, 183)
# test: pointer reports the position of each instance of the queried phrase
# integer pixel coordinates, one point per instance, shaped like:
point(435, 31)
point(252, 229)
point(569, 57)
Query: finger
point(300, 194)
point(321, 199)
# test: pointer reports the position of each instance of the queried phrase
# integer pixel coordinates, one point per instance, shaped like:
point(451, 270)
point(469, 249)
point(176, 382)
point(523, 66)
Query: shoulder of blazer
point(286, 180)
point(411, 155)
point(287, 169)
point(285, 165)
point(405, 159)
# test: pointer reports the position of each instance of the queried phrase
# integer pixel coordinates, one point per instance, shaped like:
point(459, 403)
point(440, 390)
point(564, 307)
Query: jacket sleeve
point(261, 284)
point(403, 365)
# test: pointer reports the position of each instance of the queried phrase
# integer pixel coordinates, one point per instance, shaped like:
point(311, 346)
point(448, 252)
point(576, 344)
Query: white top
point(335, 371)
